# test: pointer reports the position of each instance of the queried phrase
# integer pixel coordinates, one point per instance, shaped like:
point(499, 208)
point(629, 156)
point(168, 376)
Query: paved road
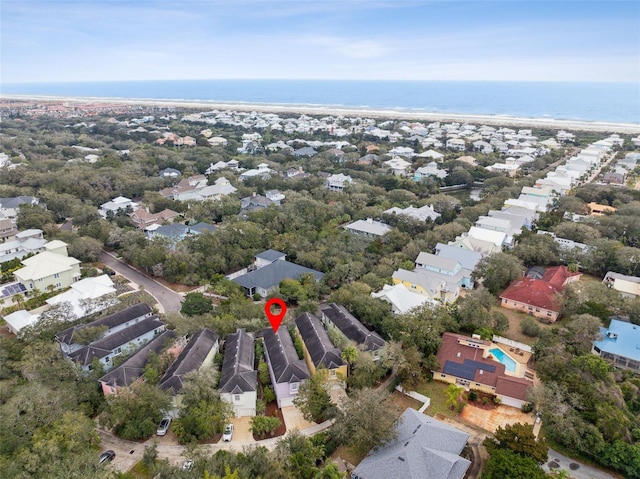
point(583, 472)
point(168, 299)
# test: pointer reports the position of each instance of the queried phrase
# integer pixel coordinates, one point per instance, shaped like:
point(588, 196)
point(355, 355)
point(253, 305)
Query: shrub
point(497, 400)
point(268, 394)
point(472, 395)
point(527, 407)
point(530, 327)
point(485, 400)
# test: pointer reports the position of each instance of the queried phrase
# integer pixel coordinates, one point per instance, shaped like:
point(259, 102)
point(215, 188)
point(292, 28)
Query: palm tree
point(453, 393)
point(349, 355)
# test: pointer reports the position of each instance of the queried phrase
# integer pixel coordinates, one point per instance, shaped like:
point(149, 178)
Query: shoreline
point(334, 110)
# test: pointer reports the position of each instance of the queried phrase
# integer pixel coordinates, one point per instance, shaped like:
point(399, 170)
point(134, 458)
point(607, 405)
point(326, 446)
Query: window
point(57, 275)
point(236, 398)
point(333, 372)
point(294, 386)
point(58, 285)
point(549, 313)
point(443, 375)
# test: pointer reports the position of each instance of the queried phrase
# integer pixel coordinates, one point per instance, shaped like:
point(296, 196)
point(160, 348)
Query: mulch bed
point(270, 410)
point(490, 406)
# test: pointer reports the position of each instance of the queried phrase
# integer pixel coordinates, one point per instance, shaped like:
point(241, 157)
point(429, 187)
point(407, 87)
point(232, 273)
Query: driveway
point(170, 301)
point(293, 419)
point(489, 420)
point(582, 472)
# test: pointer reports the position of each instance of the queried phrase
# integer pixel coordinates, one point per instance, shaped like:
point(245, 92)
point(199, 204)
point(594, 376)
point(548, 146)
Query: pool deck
point(520, 357)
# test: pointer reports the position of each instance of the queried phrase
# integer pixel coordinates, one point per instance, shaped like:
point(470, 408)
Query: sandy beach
point(493, 120)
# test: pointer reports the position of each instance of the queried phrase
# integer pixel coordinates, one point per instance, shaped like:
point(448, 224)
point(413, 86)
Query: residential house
point(186, 189)
point(25, 243)
point(124, 341)
point(198, 354)
point(620, 343)
point(447, 270)
point(368, 228)
point(305, 151)
point(401, 299)
point(268, 271)
point(18, 320)
point(498, 238)
point(596, 209)
point(116, 205)
point(170, 173)
point(286, 370)
point(456, 144)
point(431, 154)
point(319, 351)
point(424, 213)
point(263, 171)
point(399, 166)
point(418, 282)
point(536, 293)
point(422, 448)
point(336, 318)
point(143, 219)
point(108, 325)
point(274, 195)
point(338, 182)
point(500, 225)
point(9, 207)
point(51, 269)
point(255, 202)
point(221, 187)
point(467, 259)
point(87, 296)
point(471, 243)
point(238, 378)
point(431, 169)
point(472, 364)
point(627, 286)
point(8, 229)
point(132, 370)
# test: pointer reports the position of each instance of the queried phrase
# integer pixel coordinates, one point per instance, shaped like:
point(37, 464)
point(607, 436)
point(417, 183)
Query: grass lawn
point(435, 391)
point(348, 455)
point(515, 318)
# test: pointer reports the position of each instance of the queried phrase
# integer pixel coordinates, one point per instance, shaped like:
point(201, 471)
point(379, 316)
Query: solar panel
point(478, 365)
point(460, 370)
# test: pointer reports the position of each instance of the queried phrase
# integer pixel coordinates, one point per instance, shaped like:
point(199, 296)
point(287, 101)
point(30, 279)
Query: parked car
point(106, 456)
point(228, 433)
point(187, 465)
point(163, 427)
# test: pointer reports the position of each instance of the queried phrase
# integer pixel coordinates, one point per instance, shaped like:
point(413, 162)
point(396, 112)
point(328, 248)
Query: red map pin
point(275, 319)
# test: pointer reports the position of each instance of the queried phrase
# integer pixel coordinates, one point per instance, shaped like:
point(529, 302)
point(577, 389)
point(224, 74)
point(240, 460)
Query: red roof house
point(536, 293)
point(469, 362)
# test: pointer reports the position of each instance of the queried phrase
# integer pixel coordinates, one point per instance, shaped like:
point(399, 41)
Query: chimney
point(253, 194)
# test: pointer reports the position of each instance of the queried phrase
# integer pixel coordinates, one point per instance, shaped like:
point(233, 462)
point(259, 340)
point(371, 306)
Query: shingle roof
point(174, 230)
point(270, 255)
point(468, 259)
point(189, 359)
point(542, 292)
point(103, 346)
point(272, 274)
point(425, 448)
point(352, 328)
point(237, 374)
point(283, 358)
point(133, 368)
point(116, 319)
point(317, 342)
point(466, 362)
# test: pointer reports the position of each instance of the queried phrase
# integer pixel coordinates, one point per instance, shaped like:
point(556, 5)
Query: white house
point(238, 378)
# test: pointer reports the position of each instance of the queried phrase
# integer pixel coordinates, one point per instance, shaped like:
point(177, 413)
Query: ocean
point(600, 102)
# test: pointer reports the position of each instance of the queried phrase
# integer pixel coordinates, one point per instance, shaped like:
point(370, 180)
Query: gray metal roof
point(283, 358)
point(272, 274)
point(189, 359)
point(317, 342)
point(129, 371)
point(104, 346)
point(424, 448)
point(116, 319)
point(468, 259)
point(237, 374)
point(439, 262)
point(352, 328)
point(270, 255)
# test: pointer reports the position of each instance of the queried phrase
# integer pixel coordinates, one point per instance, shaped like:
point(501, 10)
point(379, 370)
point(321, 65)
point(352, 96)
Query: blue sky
point(91, 40)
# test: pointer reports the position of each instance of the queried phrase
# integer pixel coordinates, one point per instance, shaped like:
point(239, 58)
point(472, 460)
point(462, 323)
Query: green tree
point(364, 422)
point(349, 355)
point(264, 426)
point(497, 270)
point(506, 464)
point(453, 393)
point(196, 304)
point(518, 438)
point(202, 412)
point(313, 398)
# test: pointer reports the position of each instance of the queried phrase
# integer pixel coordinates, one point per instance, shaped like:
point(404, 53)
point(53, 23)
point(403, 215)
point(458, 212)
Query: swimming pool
point(509, 364)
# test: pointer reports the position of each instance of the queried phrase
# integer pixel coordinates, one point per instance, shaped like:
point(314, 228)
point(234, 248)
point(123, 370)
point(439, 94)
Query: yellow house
point(319, 351)
point(419, 283)
point(51, 269)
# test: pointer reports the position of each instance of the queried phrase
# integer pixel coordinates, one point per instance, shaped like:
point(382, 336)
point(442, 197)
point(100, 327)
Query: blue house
point(620, 344)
